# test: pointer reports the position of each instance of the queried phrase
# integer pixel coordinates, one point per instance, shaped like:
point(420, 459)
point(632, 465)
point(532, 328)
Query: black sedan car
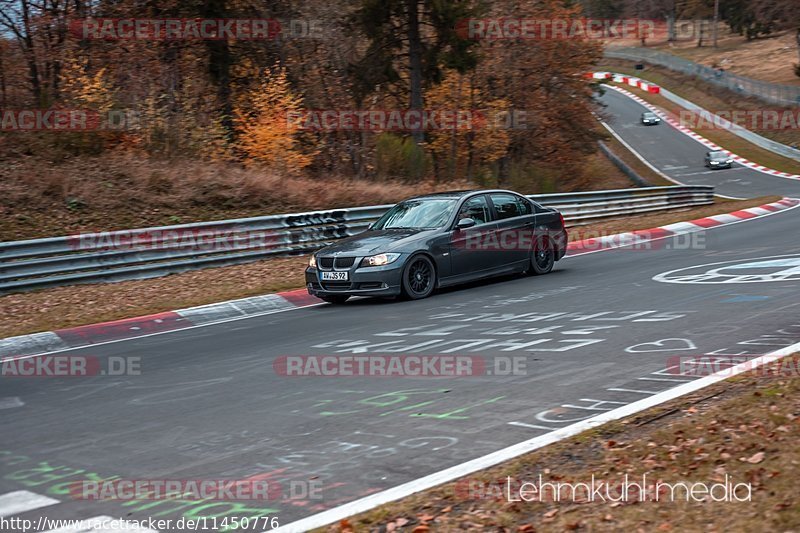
point(718, 159)
point(650, 119)
point(439, 240)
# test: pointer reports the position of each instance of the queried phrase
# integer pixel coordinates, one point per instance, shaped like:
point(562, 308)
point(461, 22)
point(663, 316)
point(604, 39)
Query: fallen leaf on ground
point(756, 458)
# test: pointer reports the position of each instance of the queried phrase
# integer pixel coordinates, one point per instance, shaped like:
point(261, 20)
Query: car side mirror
point(465, 223)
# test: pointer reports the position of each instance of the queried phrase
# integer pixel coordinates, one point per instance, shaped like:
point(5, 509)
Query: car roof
point(461, 194)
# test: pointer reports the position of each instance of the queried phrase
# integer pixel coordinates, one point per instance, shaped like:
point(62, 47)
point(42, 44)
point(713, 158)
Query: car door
point(471, 250)
point(515, 228)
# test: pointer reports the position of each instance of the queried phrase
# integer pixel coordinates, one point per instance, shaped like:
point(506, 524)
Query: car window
point(417, 214)
point(476, 208)
point(524, 206)
point(506, 206)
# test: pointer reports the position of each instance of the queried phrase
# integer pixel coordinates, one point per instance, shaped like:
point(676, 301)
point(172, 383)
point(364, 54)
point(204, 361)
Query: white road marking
point(663, 345)
point(96, 525)
point(637, 391)
point(664, 379)
point(11, 402)
point(762, 270)
point(22, 501)
point(529, 426)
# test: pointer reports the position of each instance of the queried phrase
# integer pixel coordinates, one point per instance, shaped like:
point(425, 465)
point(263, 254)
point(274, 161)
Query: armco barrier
point(769, 92)
point(150, 252)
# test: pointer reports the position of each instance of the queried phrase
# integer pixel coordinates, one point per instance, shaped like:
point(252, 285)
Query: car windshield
point(719, 155)
point(649, 115)
point(417, 214)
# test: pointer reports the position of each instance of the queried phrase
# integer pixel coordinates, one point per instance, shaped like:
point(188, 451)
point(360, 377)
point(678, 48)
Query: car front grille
point(341, 263)
point(345, 262)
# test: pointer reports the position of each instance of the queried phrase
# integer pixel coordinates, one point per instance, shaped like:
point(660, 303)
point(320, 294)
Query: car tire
point(543, 257)
point(336, 300)
point(419, 278)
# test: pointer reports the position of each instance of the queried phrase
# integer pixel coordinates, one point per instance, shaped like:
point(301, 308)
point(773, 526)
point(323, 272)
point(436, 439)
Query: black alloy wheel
point(419, 278)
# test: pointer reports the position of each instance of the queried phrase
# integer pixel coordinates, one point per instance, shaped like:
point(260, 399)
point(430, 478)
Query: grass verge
point(635, 163)
point(62, 307)
point(745, 428)
point(769, 58)
point(40, 197)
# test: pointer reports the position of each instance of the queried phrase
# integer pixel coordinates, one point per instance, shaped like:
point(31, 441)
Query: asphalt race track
point(597, 333)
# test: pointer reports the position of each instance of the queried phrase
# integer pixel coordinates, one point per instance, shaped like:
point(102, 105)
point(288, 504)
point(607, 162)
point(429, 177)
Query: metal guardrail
point(625, 168)
point(150, 252)
point(769, 92)
point(768, 144)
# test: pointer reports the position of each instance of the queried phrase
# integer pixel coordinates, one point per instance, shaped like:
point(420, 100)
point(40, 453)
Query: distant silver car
point(718, 159)
point(650, 119)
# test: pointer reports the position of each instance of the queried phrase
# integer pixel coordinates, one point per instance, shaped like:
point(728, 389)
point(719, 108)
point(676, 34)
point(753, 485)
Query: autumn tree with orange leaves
point(266, 132)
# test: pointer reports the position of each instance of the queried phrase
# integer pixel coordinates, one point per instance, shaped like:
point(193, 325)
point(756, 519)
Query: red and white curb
point(64, 339)
point(640, 236)
point(696, 136)
point(630, 80)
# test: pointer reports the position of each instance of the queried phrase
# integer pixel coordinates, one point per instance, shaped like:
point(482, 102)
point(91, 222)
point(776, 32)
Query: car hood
point(373, 242)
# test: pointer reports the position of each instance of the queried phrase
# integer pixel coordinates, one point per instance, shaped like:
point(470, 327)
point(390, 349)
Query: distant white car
point(650, 119)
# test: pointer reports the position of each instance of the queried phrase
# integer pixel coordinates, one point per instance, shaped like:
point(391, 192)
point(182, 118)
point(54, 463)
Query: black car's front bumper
point(363, 281)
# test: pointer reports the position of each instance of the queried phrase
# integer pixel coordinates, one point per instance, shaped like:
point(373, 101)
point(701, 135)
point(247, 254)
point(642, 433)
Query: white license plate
point(335, 276)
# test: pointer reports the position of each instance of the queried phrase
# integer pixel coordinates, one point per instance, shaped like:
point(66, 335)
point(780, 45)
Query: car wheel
point(419, 278)
point(543, 258)
point(336, 300)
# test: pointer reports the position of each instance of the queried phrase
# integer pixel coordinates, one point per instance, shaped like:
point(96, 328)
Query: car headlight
point(379, 260)
point(729, 161)
point(312, 262)
point(715, 162)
